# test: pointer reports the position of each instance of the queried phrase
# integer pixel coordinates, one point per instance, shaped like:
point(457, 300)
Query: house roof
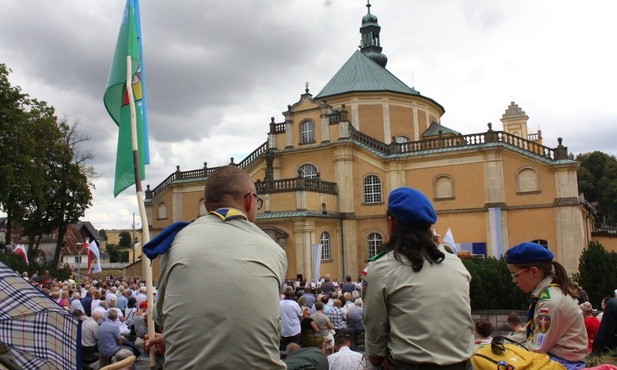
point(361, 73)
point(89, 228)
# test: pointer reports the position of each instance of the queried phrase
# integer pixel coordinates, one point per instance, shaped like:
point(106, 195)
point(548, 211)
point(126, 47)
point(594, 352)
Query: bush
point(491, 286)
point(17, 264)
point(596, 272)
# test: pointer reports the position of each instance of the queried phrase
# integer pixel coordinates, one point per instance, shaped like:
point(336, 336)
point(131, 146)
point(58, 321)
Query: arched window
point(372, 189)
point(374, 242)
point(401, 139)
point(444, 187)
point(324, 239)
point(307, 132)
point(162, 211)
point(527, 181)
point(308, 171)
point(541, 242)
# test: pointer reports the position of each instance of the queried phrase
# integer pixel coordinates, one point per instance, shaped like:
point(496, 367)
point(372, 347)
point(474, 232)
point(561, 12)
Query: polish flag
point(93, 250)
point(20, 250)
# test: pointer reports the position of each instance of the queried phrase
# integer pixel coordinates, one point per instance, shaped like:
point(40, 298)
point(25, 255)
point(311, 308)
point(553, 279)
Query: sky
point(216, 71)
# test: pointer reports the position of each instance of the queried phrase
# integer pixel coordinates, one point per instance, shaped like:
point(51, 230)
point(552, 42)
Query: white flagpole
point(145, 236)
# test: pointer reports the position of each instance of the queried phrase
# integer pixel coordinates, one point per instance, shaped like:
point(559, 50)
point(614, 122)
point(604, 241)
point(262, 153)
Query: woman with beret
point(416, 306)
point(555, 325)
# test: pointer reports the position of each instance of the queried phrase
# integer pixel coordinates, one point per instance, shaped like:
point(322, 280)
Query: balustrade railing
point(453, 142)
point(459, 141)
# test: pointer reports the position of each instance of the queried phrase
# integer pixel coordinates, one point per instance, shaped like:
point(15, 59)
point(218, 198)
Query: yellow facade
point(535, 195)
point(327, 168)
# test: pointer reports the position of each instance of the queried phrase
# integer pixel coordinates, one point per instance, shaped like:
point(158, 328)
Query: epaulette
point(545, 293)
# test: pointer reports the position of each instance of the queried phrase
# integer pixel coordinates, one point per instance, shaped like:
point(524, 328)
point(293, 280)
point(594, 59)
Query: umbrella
point(38, 332)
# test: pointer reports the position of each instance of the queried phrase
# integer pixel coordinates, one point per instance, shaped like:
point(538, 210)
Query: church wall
point(517, 196)
point(527, 224)
point(366, 226)
point(467, 227)
point(371, 120)
point(421, 174)
point(401, 122)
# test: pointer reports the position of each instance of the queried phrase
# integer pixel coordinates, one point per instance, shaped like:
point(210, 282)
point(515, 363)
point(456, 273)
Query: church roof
point(435, 128)
point(361, 73)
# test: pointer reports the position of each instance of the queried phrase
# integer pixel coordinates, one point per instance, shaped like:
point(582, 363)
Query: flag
point(21, 250)
point(449, 239)
point(116, 99)
point(93, 251)
point(316, 249)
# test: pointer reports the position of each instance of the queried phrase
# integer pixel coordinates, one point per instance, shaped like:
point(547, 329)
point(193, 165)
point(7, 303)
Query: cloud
point(217, 71)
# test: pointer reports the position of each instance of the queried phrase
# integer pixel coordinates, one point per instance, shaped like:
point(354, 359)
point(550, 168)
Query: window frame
point(326, 250)
point(308, 165)
point(372, 192)
point(374, 240)
point(307, 131)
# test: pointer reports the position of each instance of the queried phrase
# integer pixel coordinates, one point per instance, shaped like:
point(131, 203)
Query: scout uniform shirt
point(558, 327)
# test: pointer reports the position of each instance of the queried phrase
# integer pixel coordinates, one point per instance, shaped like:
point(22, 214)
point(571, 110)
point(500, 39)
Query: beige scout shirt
point(418, 317)
point(559, 324)
point(218, 297)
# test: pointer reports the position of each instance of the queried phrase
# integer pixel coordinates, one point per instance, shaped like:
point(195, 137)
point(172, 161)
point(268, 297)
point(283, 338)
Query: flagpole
point(145, 261)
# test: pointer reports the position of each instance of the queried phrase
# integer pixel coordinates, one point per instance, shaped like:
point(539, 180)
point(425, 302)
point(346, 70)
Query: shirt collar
point(227, 214)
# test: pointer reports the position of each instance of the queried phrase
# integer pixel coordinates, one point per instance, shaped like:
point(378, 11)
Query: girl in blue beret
point(555, 325)
point(417, 313)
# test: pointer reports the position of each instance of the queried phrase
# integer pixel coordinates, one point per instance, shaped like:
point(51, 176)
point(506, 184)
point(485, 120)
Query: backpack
point(511, 356)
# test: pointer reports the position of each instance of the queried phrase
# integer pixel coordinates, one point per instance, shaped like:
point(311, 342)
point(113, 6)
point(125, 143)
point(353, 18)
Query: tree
point(491, 286)
point(596, 272)
point(116, 255)
point(125, 239)
point(14, 148)
point(597, 179)
point(103, 234)
point(44, 179)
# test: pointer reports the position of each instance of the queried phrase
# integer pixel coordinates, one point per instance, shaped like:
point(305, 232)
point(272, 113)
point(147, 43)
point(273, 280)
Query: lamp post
point(78, 245)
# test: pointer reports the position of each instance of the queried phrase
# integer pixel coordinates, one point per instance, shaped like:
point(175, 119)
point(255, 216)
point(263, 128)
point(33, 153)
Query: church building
point(326, 169)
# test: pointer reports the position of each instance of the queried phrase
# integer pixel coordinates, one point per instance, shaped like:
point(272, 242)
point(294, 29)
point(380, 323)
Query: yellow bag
point(511, 356)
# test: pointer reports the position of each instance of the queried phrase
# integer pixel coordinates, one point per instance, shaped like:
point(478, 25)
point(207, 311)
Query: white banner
point(494, 215)
point(316, 251)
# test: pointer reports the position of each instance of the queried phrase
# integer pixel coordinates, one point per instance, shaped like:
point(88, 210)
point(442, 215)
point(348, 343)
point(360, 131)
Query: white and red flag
point(21, 250)
point(93, 251)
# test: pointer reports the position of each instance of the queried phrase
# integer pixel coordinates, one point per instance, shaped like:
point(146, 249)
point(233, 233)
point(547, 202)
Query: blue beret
point(525, 253)
point(411, 207)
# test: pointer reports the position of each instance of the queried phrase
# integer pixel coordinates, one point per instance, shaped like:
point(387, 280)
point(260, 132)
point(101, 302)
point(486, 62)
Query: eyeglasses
point(260, 202)
point(515, 274)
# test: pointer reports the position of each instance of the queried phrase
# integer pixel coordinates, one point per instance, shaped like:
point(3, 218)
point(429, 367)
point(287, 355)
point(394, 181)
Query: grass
point(609, 358)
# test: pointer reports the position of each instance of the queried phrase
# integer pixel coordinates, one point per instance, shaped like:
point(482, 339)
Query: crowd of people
point(223, 301)
point(113, 314)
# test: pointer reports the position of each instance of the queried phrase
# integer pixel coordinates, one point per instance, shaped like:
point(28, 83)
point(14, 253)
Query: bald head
point(292, 348)
point(230, 186)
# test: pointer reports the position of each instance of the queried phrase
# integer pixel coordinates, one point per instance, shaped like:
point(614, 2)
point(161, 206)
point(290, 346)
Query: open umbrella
point(38, 332)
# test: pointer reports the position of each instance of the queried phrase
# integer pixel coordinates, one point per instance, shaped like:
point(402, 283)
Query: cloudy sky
point(218, 70)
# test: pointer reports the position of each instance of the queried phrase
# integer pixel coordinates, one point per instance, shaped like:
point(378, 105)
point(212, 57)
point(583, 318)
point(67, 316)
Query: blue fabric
point(162, 242)
point(526, 253)
point(109, 332)
point(567, 364)
point(411, 207)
